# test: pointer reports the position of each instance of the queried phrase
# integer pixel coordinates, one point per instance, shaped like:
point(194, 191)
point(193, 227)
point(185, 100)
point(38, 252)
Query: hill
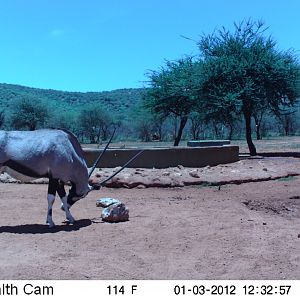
point(117, 101)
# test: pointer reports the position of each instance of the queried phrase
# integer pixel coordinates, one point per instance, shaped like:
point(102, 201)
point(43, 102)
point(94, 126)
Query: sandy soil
point(245, 231)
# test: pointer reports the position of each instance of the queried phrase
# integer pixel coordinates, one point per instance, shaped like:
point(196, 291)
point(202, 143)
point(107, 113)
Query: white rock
point(106, 202)
point(115, 213)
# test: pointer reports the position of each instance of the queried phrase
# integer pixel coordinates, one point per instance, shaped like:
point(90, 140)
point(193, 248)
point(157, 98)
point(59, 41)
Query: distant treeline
point(93, 116)
point(89, 115)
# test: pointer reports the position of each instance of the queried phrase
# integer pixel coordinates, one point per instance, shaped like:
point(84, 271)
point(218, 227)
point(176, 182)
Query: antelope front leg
point(49, 220)
point(52, 188)
point(62, 194)
point(66, 209)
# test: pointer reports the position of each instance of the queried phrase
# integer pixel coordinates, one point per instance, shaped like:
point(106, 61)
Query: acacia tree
point(216, 114)
point(148, 126)
point(258, 116)
point(243, 71)
point(65, 120)
point(287, 123)
point(198, 122)
point(94, 122)
point(172, 92)
point(29, 113)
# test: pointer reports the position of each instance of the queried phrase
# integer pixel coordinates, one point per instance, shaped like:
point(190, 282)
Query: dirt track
point(247, 231)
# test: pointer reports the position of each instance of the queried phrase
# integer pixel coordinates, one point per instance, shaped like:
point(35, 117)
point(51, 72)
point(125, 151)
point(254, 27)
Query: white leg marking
point(66, 209)
point(49, 220)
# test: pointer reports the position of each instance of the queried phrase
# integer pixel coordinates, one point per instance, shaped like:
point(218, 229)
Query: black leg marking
point(61, 190)
point(52, 186)
point(72, 194)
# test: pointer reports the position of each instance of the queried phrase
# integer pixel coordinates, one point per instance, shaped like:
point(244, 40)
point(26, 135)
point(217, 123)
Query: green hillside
point(117, 101)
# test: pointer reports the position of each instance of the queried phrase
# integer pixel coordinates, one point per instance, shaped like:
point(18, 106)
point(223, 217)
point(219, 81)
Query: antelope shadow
point(43, 228)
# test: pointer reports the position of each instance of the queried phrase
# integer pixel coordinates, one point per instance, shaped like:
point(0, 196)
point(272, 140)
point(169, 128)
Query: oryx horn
point(100, 155)
point(113, 175)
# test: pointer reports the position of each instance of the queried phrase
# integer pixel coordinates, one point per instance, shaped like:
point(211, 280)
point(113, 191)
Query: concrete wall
point(165, 157)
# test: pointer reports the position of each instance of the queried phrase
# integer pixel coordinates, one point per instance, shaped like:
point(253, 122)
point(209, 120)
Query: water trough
point(164, 157)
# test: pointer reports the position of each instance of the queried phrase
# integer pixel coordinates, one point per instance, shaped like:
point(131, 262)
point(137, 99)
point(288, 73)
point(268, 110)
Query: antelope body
point(55, 154)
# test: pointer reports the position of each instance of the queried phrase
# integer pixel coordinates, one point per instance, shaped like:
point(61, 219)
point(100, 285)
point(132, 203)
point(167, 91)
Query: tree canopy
point(95, 123)
point(238, 73)
point(29, 113)
point(243, 72)
point(172, 91)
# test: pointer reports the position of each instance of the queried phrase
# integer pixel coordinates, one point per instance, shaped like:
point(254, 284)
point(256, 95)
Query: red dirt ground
point(246, 231)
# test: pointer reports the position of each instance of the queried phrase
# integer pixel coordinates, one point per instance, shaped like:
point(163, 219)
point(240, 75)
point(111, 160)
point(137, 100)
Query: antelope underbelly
point(17, 175)
point(21, 172)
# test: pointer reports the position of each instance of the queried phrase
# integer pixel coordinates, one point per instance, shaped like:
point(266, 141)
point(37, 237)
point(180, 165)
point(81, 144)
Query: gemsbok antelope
point(52, 153)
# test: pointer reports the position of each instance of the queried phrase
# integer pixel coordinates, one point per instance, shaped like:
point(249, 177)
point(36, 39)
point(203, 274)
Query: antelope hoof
point(51, 225)
point(71, 221)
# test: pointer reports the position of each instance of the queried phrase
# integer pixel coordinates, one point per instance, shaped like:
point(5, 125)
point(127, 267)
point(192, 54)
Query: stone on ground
point(106, 202)
point(115, 213)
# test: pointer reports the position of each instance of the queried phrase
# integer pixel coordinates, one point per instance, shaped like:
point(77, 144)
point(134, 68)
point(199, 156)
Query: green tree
point(148, 126)
point(258, 115)
point(243, 72)
point(64, 119)
point(29, 113)
point(198, 122)
point(288, 123)
point(94, 123)
point(172, 92)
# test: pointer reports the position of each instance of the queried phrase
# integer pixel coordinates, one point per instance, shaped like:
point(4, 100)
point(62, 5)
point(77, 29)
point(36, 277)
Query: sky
point(102, 45)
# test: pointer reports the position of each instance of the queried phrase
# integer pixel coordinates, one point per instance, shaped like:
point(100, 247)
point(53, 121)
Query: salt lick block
point(106, 202)
point(115, 213)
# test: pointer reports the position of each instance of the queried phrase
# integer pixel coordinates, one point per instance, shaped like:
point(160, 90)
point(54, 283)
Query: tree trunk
point(183, 121)
point(258, 125)
point(251, 146)
point(197, 133)
point(32, 126)
point(195, 128)
point(286, 126)
point(216, 130)
point(230, 132)
point(258, 135)
point(175, 127)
